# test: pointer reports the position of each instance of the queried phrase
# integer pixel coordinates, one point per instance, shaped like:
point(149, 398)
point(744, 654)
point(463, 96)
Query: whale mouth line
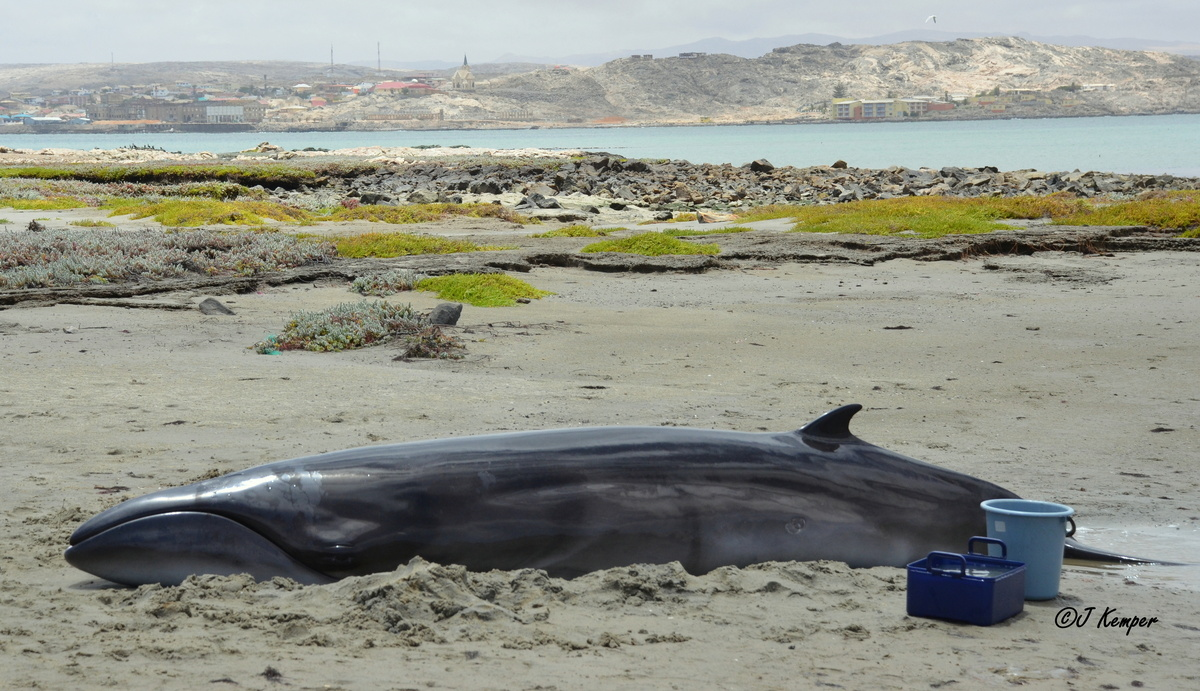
point(168, 547)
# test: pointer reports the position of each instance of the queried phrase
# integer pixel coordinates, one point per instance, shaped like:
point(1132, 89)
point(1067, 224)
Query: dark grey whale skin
point(568, 501)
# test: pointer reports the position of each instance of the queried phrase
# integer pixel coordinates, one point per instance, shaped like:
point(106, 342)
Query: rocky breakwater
point(601, 182)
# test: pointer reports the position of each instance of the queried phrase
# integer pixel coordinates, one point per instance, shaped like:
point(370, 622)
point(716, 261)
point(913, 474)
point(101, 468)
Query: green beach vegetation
point(652, 245)
point(578, 230)
point(482, 290)
point(386, 282)
point(424, 213)
point(191, 213)
point(931, 217)
point(99, 255)
point(265, 174)
point(44, 204)
point(358, 325)
point(1175, 211)
point(686, 232)
point(385, 245)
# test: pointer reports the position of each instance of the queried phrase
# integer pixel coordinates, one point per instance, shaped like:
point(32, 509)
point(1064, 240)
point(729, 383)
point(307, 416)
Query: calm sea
point(1137, 144)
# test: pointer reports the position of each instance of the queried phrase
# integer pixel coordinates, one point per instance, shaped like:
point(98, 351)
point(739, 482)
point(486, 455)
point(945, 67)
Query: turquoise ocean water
point(1137, 144)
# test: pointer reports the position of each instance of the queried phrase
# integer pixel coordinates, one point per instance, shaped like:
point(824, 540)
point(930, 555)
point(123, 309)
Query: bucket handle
point(993, 541)
point(960, 562)
point(1071, 532)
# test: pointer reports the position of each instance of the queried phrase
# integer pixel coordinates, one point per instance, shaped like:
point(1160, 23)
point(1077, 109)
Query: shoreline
point(232, 129)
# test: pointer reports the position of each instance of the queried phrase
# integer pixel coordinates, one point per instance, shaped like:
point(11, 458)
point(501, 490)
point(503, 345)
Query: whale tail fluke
point(1081, 552)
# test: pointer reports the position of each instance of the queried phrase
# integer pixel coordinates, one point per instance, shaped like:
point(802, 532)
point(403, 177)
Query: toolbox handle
point(960, 563)
point(990, 541)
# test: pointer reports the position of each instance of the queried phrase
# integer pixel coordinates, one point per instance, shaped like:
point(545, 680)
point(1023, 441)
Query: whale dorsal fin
point(833, 425)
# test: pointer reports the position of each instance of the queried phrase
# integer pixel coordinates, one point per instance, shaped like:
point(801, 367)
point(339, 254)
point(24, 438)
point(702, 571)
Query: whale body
point(568, 501)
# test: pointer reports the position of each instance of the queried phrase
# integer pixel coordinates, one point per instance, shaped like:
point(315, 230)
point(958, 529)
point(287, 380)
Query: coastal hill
point(793, 80)
point(789, 83)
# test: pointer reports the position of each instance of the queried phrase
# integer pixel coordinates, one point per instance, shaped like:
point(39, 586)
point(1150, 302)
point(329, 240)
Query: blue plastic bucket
point(1034, 532)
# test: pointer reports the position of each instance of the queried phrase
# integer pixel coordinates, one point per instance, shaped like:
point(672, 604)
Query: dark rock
point(687, 194)
point(543, 202)
point(541, 188)
point(483, 187)
point(447, 313)
point(374, 198)
point(214, 306)
point(840, 164)
point(762, 165)
point(423, 196)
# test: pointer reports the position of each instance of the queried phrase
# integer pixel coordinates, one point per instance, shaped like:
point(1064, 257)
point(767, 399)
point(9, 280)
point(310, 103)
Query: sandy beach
point(1061, 376)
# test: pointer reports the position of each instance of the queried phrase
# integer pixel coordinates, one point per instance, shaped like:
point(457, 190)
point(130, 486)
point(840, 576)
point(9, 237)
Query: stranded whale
point(568, 501)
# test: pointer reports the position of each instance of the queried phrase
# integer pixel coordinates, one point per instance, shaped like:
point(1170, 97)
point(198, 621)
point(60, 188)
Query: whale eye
point(794, 526)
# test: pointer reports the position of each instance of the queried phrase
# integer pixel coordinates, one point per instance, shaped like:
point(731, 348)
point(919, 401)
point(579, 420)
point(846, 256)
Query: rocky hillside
point(803, 78)
point(787, 83)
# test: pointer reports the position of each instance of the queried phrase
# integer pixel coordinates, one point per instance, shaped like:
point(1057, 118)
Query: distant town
point(800, 83)
point(1013, 102)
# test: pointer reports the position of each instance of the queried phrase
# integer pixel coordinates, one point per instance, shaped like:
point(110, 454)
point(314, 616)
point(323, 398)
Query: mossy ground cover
point(927, 217)
point(267, 174)
point(1177, 211)
point(190, 213)
point(577, 231)
point(651, 245)
point(686, 232)
point(47, 204)
point(385, 245)
point(424, 213)
point(938, 216)
point(481, 290)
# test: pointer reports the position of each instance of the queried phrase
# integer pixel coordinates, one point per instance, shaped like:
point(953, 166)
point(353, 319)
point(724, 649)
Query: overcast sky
point(65, 31)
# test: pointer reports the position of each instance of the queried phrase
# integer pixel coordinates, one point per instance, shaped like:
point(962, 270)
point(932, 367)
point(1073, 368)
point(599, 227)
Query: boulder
point(540, 188)
point(374, 198)
point(423, 196)
point(446, 313)
point(214, 306)
point(488, 186)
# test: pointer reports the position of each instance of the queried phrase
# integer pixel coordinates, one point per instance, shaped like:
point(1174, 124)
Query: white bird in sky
point(931, 18)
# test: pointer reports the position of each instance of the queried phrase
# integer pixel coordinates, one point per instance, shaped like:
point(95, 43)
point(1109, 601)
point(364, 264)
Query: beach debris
point(111, 490)
point(214, 306)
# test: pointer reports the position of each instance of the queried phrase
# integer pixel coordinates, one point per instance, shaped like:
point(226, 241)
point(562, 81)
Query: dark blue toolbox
point(970, 587)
